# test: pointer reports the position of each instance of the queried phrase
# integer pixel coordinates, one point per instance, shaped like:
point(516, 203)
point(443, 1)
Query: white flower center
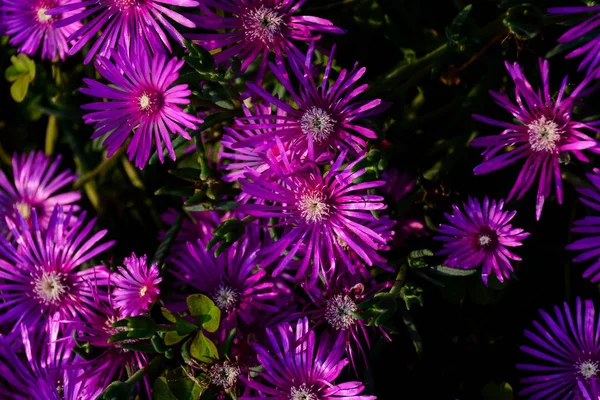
point(544, 135)
point(24, 209)
point(226, 297)
point(49, 287)
point(150, 102)
point(123, 5)
point(587, 368)
point(224, 375)
point(262, 24)
point(338, 312)
point(484, 240)
point(317, 123)
point(302, 392)
point(313, 206)
point(41, 15)
point(143, 290)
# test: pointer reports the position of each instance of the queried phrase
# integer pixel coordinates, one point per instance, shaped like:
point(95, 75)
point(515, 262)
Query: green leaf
point(411, 294)
point(184, 327)
point(497, 391)
point(200, 304)
point(186, 191)
point(172, 337)
point(192, 174)
point(116, 391)
point(525, 21)
point(223, 205)
point(202, 349)
point(186, 389)
point(165, 244)
point(161, 390)
point(226, 346)
point(18, 89)
point(168, 315)
point(447, 271)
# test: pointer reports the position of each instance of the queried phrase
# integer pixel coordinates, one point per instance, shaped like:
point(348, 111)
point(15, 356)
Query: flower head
point(135, 286)
point(28, 25)
point(138, 25)
point(325, 116)
point(590, 225)
point(251, 28)
point(300, 367)
point(567, 352)
point(480, 236)
point(544, 134)
point(142, 100)
point(34, 187)
point(40, 275)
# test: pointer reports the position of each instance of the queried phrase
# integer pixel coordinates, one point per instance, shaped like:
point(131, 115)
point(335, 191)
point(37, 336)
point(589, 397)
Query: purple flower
point(579, 34)
point(591, 392)
point(242, 292)
point(566, 351)
point(324, 117)
point(40, 275)
point(479, 236)
point(590, 225)
point(256, 27)
point(29, 26)
point(136, 24)
point(142, 100)
point(35, 185)
point(297, 366)
point(544, 135)
point(325, 216)
point(135, 286)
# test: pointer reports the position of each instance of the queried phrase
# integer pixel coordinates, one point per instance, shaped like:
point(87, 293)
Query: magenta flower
point(592, 392)
point(298, 366)
point(142, 100)
point(28, 25)
point(325, 116)
point(480, 236)
point(324, 217)
point(139, 25)
point(40, 274)
point(566, 350)
point(590, 225)
point(544, 135)
point(35, 187)
point(252, 28)
point(135, 286)
point(580, 34)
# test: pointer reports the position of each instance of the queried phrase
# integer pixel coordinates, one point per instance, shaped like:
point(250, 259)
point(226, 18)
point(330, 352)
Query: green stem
point(105, 165)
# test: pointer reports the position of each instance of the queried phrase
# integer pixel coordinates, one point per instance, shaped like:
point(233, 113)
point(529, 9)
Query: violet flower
point(135, 286)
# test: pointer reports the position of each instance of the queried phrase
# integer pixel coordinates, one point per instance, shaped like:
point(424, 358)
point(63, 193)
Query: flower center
point(150, 102)
point(42, 17)
point(49, 287)
point(338, 312)
point(317, 123)
point(313, 206)
point(263, 24)
point(24, 210)
point(544, 135)
point(302, 392)
point(587, 368)
point(224, 375)
point(143, 290)
point(123, 5)
point(226, 298)
point(486, 239)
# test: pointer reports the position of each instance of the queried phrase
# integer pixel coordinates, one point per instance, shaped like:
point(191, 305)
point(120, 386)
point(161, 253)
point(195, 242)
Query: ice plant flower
point(40, 274)
point(34, 186)
point(251, 28)
point(590, 225)
point(480, 235)
point(544, 136)
point(135, 286)
point(28, 26)
point(324, 216)
point(140, 25)
point(325, 116)
point(142, 100)
point(583, 31)
point(243, 293)
point(297, 365)
point(592, 392)
point(566, 350)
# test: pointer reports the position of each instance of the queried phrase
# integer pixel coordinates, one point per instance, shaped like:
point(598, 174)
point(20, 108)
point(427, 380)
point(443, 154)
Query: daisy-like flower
point(300, 367)
point(480, 236)
point(325, 116)
point(582, 33)
point(135, 286)
point(34, 187)
point(590, 225)
point(141, 99)
point(242, 292)
point(28, 25)
point(45, 373)
point(138, 24)
point(40, 275)
point(324, 216)
point(545, 135)
point(566, 350)
point(252, 28)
